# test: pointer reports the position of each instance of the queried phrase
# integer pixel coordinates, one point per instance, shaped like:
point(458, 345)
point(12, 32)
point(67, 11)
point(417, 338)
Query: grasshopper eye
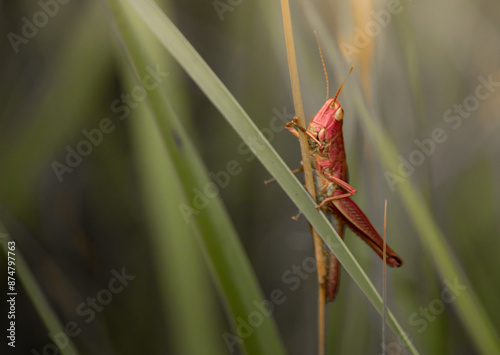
point(339, 115)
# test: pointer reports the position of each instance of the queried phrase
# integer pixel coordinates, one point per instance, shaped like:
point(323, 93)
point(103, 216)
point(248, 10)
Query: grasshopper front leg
point(294, 124)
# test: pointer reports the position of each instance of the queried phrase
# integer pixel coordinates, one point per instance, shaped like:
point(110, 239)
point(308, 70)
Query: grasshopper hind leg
point(332, 277)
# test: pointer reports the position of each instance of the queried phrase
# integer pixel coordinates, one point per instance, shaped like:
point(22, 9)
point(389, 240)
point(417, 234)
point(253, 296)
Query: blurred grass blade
point(225, 256)
point(213, 88)
point(48, 122)
point(35, 293)
point(473, 315)
point(187, 294)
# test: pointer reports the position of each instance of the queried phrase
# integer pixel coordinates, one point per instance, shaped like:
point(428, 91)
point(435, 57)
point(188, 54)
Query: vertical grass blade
point(187, 293)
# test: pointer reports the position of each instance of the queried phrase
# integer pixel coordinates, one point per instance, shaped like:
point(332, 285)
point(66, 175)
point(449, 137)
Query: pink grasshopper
point(328, 158)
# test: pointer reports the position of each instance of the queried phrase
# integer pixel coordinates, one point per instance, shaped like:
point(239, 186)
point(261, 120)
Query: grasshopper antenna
point(340, 88)
point(322, 62)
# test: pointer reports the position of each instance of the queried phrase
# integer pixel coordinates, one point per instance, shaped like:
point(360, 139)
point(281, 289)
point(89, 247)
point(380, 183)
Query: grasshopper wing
point(351, 214)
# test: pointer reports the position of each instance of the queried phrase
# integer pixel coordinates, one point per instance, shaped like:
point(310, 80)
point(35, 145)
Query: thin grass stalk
point(384, 282)
point(304, 149)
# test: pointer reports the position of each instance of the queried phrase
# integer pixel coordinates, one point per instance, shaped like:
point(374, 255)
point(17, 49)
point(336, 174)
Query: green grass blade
point(213, 88)
point(187, 294)
point(35, 293)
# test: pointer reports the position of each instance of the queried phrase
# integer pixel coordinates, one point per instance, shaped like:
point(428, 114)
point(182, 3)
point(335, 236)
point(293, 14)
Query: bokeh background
point(419, 64)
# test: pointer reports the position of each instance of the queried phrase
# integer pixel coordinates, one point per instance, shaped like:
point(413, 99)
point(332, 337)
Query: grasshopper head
point(327, 124)
point(328, 121)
